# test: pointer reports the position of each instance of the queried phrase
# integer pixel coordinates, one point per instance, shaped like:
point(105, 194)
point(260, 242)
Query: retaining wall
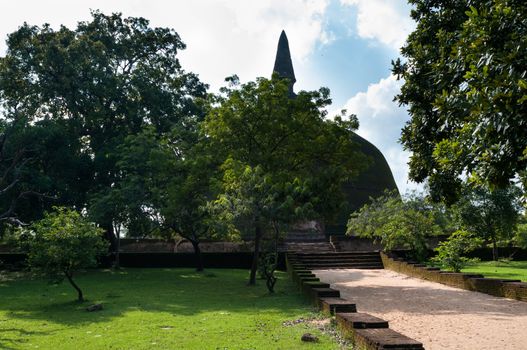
point(513, 289)
point(232, 260)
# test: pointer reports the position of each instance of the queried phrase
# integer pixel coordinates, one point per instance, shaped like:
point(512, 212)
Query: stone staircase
point(309, 247)
point(317, 260)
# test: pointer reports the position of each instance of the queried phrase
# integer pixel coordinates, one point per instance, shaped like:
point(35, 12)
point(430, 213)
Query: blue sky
point(346, 45)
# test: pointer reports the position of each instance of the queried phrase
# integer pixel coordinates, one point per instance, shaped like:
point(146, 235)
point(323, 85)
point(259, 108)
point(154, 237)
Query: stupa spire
point(283, 65)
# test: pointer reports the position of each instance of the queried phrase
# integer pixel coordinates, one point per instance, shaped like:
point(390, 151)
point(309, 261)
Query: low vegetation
point(500, 269)
point(157, 308)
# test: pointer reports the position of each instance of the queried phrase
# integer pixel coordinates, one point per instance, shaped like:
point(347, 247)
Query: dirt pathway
point(439, 316)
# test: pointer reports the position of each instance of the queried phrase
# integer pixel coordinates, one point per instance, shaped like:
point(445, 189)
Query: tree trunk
point(110, 236)
point(257, 239)
point(117, 231)
point(494, 250)
point(198, 256)
point(69, 276)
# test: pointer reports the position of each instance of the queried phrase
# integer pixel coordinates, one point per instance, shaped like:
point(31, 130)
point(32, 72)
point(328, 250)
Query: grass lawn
point(499, 269)
point(155, 309)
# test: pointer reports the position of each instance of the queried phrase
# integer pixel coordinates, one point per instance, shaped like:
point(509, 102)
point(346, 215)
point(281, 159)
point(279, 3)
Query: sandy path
point(439, 316)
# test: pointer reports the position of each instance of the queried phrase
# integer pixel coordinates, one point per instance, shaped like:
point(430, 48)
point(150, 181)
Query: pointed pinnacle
point(283, 64)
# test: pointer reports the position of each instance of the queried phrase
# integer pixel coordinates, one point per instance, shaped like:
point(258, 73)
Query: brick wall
point(498, 287)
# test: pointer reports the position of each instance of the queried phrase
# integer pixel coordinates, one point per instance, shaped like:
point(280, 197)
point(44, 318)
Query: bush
point(450, 252)
point(62, 243)
point(397, 223)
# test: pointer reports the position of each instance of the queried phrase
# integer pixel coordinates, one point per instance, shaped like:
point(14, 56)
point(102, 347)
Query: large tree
point(166, 182)
point(283, 148)
point(97, 84)
point(465, 85)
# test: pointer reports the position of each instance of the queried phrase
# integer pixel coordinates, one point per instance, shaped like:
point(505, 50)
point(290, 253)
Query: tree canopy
point(62, 243)
point(491, 216)
point(400, 223)
point(73, 96)
point(283, 157)
point(465, 69)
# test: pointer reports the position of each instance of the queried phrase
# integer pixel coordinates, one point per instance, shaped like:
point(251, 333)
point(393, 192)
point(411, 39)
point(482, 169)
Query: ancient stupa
point(372, 182)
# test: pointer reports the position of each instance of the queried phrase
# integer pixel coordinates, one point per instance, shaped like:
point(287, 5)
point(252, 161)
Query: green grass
point(500, 269)
point(155, 309)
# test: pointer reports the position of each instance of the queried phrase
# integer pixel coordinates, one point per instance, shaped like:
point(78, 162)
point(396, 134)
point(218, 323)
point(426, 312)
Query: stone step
point(350, 267)
point(384, 338)
point(335, 256)
point(325, 293)
point(359, 320)
point(308, 279)
point(310, 284)
point(307, 286)
point(313, 266)
point(334, 305)
point(331, 259)
point(339, 261)
point(358, 252)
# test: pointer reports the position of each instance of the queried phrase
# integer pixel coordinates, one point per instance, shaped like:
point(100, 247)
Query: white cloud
point(381, 120)
point(386, 21)
point(223, 37)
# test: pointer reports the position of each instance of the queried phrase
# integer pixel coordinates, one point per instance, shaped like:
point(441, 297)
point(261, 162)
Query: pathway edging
point(365, 331)
point(512, 289)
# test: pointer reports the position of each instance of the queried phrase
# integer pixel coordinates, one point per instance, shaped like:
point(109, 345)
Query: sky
point(346, 45)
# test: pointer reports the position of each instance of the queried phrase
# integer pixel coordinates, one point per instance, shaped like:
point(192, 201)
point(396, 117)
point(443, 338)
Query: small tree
point(399, 223)
point(450, 252)
point(62, 243)
point(490, 215)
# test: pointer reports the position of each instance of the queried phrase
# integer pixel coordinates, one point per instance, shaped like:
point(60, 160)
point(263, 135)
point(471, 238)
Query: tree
point(266, 203)
point(400, 223)
point(62, 243)
point(489, 215)
point(520, 237)
point(272, 144)
point(99, 83)
point(464, 71)
point(166, 180)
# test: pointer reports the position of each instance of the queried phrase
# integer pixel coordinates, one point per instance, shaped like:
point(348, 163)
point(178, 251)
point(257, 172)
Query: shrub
point(450, 252)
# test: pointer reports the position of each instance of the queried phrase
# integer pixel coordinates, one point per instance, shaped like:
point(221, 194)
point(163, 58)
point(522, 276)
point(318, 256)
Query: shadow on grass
point(181, 292)
point(22, 336)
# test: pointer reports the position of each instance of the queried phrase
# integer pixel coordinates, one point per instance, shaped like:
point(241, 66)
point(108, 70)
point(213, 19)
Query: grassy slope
point(154, 308)
point(510, 270)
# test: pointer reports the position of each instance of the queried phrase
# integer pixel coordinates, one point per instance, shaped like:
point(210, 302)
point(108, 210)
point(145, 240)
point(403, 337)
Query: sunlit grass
point(500, 269)
point(155, 308)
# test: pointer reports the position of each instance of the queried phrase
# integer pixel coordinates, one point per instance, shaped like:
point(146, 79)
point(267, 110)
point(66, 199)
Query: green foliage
point(399, 224)
point(62, 243)
point(288, 139)
point(450, 252)
point(166, 184)
point(164, 308)
point(464, 85)
point(283, 160)
point(71, 97)
point(520, 237)
point(489, 215)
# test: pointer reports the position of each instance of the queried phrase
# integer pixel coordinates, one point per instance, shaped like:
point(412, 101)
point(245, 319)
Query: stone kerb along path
point(513, 289)
point(366, 331)
point(440, 316)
